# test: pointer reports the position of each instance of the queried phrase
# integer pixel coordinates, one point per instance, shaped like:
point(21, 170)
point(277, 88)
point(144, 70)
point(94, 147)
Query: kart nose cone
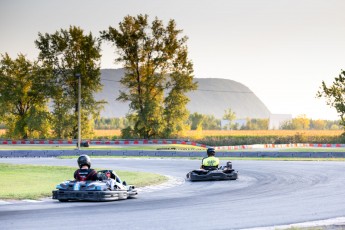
point(76, 186)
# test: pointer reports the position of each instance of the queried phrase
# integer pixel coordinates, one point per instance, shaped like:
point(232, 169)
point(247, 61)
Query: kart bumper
point(65, 195)
point(192, 176)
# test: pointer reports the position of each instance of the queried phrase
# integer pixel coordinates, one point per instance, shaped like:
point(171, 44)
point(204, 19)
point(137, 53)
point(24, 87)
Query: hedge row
point(270, 139)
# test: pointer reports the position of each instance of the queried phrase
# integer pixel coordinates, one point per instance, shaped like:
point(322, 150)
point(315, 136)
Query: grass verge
point(34, 182)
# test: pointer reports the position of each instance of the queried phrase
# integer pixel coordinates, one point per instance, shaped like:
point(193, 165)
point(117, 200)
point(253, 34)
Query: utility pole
point(79, 109)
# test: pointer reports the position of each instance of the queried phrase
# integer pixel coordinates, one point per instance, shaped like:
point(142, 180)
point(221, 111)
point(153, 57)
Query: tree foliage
point(256, 124)
point(211, 123)
point(230, 116)
point(64, 54)
point(196, 120)
point(318, 124)
point(158, 75)
point(335, 95)
point(23, 98)
point(111, 123)
point(199, 121)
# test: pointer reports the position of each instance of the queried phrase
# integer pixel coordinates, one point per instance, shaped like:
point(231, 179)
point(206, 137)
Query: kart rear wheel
point(63, 200)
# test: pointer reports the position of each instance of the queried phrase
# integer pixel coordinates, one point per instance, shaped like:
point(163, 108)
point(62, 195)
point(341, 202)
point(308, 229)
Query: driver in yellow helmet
point(210, 162)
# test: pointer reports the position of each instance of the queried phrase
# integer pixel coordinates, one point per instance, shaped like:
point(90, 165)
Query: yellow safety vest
point(210, 161)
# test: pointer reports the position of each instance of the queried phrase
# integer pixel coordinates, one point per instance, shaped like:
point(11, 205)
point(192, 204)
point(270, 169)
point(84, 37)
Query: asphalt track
point(267, 193)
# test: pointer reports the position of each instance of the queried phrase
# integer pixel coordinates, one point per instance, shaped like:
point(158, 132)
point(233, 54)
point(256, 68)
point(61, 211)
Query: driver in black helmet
point(210, 162)
point(85, 172)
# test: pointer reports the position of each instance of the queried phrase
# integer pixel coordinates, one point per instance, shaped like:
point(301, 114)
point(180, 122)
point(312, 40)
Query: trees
point(111, 123)
point(256, 124)
point(230, 116)
point(64, 54)
point(210, 123)
point(318, 124)
point(23, 97)
point(335, 95)
point(301, 122)
point(158, 74)
point(196, 120)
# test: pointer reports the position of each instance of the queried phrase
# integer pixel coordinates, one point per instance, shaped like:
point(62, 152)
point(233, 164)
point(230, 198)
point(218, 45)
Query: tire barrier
point(167, 142)
point(151, 153)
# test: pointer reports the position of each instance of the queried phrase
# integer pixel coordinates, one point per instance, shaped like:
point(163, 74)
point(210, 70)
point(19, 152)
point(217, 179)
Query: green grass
point(141, 179)
point(34, 182)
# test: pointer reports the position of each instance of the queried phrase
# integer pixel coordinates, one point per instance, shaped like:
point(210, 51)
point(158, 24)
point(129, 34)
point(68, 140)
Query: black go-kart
point(106, 189)
point(213, 173)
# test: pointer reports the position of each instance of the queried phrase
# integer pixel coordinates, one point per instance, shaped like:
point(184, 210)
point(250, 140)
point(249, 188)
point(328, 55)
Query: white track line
point(340, 221)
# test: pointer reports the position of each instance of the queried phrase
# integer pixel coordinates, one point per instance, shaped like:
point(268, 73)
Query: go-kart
point(213, 173)
point(105, 189)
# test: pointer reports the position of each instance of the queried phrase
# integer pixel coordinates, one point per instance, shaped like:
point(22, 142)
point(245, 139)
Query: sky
point(282, 50)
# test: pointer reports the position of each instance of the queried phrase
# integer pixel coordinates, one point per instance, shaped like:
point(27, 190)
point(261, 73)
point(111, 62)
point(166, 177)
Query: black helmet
point(211, 152)
point(84, 160)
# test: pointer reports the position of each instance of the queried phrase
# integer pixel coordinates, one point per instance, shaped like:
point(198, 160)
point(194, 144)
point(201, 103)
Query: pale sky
point(281, 49)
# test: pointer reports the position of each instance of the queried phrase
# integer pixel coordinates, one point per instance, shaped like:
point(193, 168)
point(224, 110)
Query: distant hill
point(213, 97)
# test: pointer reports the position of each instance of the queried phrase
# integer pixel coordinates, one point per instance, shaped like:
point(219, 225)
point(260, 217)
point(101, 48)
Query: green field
point(34, 182)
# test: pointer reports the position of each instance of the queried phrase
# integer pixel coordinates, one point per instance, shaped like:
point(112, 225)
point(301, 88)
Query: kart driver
point(210, 162)
point(113, 183)
point(85, 172)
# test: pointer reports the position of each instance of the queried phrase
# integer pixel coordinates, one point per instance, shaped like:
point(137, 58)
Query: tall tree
point(158, 74)
point(335, 95)
point(65, 54)
point(23, 97)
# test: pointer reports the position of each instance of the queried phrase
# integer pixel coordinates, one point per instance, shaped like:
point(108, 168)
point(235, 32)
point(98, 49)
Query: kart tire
point(63, 200)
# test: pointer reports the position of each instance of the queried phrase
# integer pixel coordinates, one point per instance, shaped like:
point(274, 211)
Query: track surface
point(267, 193)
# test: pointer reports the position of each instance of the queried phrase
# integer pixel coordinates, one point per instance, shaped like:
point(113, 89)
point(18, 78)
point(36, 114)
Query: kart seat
point(209, 168)
point(112, 175)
